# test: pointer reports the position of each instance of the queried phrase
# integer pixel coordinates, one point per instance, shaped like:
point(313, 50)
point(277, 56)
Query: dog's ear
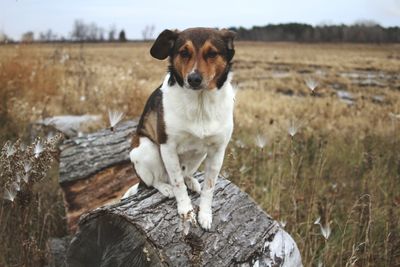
point(228, 36)
point(163, 44)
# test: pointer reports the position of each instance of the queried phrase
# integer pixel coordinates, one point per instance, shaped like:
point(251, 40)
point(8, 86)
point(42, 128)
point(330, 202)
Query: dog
point(188, 119)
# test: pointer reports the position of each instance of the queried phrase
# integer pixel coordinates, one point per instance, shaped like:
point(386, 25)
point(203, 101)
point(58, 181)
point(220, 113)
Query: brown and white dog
point(188, 119)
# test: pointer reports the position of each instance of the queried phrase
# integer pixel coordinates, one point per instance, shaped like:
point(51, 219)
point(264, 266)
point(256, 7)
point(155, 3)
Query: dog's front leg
point(213, 164)
point(173, 167)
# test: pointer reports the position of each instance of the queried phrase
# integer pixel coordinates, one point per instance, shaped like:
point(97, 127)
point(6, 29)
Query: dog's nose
point(195, 79)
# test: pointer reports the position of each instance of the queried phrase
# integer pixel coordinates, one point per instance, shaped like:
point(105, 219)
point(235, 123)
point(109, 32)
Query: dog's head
point(200, 58)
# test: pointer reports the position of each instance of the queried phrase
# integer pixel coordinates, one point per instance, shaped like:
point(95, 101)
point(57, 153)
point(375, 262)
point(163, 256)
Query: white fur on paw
point(185, 211)
point(193, 184)
point(205, 219)
point(185, 207)
point(166, 190)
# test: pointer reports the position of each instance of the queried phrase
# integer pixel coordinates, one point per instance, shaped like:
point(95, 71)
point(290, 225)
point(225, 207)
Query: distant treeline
point(81, 32)
point(366, 32)
point(361, 32)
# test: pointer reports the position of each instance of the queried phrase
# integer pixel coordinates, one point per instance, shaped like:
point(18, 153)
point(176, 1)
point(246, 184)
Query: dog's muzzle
point(194, 80)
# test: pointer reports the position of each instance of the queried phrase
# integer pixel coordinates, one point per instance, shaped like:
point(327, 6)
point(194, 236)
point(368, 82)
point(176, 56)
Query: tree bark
point(145, 230)
point(95, 170)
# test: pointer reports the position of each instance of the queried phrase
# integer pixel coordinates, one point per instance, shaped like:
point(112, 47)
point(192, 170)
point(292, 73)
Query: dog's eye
point(211, 54)
point(184, 54)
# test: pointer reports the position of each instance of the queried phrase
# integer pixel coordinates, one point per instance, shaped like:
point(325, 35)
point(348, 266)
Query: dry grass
point(341, 165)
point(30, 210)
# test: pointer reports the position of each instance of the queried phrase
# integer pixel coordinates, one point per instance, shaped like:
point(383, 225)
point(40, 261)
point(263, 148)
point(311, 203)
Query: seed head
point(325, 230)
point(293, 128)
point(114, 117)
point(25, 177)
point(16, 186)
point(10, 150)
point(311, 83)
point(27, 166)
point(261, 141)
point(38, 149)
point(18, 178)
point(9, 194)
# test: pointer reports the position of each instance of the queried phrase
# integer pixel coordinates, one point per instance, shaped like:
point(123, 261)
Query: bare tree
point(111, 33)
point(148, 32)
point(28, 37)
point(92, 32)
point(3, 37)
point(101, 32)
point(79, 31)
point(47, 36)
point(87, 31)
point(122, 36)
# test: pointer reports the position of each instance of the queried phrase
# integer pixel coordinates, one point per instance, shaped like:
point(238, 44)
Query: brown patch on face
point(185, 59)
point(210, 64)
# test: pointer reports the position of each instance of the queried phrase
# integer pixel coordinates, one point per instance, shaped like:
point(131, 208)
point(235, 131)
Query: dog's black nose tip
point(195, 79)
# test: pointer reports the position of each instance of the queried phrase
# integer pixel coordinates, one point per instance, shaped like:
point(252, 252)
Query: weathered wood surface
point(84, 156)
point(95, 170)
point(145, 230)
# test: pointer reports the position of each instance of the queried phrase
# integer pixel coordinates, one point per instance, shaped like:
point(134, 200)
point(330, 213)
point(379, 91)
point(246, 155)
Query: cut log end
point(105, 187)
point(111, 241)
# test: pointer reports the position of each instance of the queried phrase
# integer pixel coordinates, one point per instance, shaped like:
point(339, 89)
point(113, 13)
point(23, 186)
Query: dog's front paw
point(205, 219)
point(185, 211)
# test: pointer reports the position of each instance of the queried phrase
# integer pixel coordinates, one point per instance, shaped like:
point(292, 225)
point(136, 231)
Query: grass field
point(332, 154)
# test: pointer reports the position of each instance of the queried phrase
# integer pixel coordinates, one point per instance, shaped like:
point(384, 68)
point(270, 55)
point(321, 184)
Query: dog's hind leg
point(189, 167)
point(149, 167)
point(193, 184)
point(164, 188)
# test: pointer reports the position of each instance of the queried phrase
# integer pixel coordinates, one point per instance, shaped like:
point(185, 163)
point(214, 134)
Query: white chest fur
point(198, 119)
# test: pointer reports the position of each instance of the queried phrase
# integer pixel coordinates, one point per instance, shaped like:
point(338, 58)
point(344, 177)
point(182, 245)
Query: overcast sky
point(19, 16)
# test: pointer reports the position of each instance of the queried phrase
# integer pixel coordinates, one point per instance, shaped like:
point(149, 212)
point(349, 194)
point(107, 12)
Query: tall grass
point(335, 190)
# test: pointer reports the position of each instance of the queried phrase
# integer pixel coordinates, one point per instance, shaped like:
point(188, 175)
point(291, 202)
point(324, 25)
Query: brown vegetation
point(330, 154)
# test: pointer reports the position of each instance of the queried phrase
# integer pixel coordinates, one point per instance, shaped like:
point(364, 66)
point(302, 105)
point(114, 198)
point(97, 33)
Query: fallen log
point(95, 170)
point(145, 229)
